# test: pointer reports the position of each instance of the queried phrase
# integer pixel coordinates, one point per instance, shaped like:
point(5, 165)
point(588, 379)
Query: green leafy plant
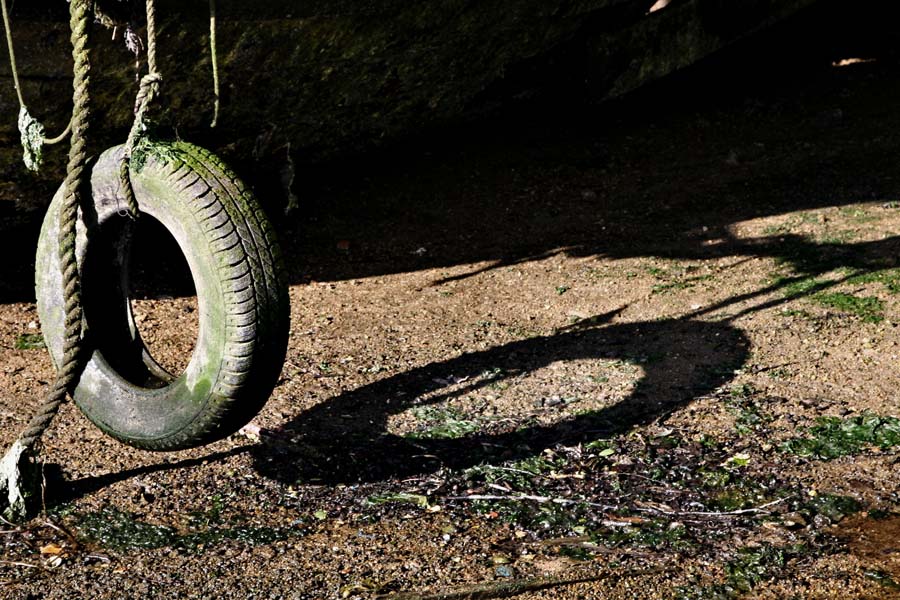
point(442, 423)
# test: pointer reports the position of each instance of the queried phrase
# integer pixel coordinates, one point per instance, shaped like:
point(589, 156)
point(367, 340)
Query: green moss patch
point(833, 437)
point(120, 531)
point(869, 308)
point(30, 341)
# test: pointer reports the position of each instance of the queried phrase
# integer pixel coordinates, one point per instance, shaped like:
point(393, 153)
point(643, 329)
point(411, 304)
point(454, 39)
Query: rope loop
point(147, 92)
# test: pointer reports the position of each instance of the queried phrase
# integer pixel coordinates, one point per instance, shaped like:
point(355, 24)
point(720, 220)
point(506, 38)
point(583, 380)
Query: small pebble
point(505, 571)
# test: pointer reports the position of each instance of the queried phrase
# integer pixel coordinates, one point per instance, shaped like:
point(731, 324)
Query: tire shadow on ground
point(691, 359)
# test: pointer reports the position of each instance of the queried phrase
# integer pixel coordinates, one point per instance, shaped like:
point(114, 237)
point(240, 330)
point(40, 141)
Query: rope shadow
point(61, 491)
point(346, 439)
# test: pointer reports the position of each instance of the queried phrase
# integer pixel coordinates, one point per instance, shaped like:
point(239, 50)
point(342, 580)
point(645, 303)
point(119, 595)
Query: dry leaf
point(52, 549)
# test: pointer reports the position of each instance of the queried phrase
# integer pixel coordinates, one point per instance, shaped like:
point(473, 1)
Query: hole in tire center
point(163, 296)
point(157, 284)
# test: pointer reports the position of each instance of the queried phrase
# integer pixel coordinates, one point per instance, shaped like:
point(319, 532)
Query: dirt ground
point(644, 351)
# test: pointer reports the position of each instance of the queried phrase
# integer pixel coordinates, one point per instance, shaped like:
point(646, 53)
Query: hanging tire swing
point(234, 259)
point(82, 276)
point(90, 330)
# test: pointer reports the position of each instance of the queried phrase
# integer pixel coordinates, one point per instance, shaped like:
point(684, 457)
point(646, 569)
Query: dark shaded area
point(663, 172)
point(18, 242)
point(328, 75)
point(158, 267)
point(344, 439)
point(769, 126)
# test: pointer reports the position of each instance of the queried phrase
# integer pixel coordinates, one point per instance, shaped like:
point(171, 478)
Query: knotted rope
point(147, 93)
point(20, 455)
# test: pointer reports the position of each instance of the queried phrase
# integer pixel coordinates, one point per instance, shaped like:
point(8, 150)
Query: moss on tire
point(236, 265)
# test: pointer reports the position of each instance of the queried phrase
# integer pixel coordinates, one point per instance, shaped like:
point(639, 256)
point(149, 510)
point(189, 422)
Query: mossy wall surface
point(327, 75)
point(336, 76)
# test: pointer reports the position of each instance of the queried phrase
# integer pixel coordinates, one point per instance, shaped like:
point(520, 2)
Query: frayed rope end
point(19, 484)
point(32, 133)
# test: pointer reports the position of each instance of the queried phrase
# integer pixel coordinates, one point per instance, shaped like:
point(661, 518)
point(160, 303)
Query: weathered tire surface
point(242, 298)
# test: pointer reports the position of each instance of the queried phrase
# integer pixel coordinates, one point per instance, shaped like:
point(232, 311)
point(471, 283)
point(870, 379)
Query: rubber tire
point(243, 306)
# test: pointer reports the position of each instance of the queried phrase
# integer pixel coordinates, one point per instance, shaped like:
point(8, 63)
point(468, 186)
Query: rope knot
point(149, 88)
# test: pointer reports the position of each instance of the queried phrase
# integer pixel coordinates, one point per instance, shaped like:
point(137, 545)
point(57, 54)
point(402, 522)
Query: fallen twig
point(528, 497)
point(507, 589)
point(13, 563)
point(587, 543)
point(61, 530)
point(761, 509)
point(511, 470)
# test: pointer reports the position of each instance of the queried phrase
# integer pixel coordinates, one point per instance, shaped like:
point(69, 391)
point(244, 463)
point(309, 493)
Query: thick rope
point(214, 59)
point(31, 130)
point(71, 364)
point(147, 92)
point(151, 36)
